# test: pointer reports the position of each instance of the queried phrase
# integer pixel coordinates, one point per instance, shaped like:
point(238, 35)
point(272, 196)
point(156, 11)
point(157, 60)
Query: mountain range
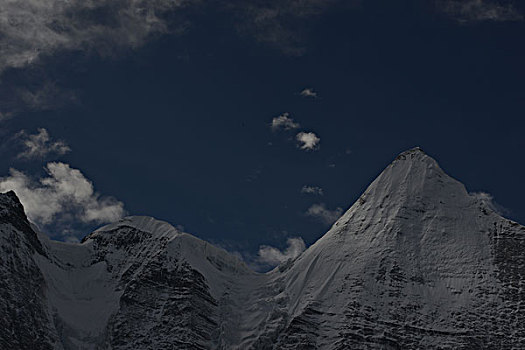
point(415, 263)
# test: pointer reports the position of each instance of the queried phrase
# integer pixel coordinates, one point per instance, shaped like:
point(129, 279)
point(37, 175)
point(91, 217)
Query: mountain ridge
point(415, 262)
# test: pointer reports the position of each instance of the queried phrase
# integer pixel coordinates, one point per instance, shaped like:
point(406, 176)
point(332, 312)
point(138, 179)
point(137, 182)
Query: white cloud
point(480, 10)
point(308, 141)
point(64, 196)
point(308, 93)
point(33, 32)
point(320, 212)
point(312, 190)
point(40, 145)
point(284, 122)
point(33, 28)
point(272, 256)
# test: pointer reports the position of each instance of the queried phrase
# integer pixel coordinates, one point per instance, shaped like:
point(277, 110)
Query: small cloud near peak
point(321, 212)
point(488, 200)
point(273, 256)
point(284, 122)
point(308, 92)
point(312, 190)
point(308, 141)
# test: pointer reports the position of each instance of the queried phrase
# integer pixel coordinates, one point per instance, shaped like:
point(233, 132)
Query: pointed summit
point(9, 200)
point(411, 189)
point(415, 154)
point(414, 177)
point(416, 151)
point(12, 213)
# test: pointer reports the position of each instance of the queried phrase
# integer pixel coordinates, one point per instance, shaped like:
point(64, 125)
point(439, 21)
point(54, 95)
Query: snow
point(416, 262)
point(80, 293)
point(414, 218)
point(142, 223)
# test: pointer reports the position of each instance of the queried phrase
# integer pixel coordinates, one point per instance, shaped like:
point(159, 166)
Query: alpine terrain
point(416, 263)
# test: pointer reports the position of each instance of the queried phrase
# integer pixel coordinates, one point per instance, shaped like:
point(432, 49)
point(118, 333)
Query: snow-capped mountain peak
point(412, 176)
point(416, 262)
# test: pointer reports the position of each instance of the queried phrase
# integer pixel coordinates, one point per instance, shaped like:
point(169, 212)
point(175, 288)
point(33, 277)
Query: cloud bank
point(272, 256)
point(65, 196)
point(40, 145)
point(33, 28)
point(322, 213)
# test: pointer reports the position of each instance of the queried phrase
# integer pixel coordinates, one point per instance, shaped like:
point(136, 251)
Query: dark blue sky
point(178, 127)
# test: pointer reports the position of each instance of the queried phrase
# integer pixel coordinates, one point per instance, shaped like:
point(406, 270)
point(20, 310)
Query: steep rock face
point(165, 301)
point(24, 321)
point(416, 262)
point(139, 284)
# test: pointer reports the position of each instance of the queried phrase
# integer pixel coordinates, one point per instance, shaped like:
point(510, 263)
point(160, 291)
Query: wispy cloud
point(46, 96)
point(283, 24)
point(284, 122)
point(64, 196)
point(33, 92)
point(308, 92)
point(322, 213)
point(488, 200)
point(35, 32)
point(272, 256)
point(308, 141)
point(5, 115)
point(468, 11)
point(33, 28)
point(40, 145)
point(312, 190)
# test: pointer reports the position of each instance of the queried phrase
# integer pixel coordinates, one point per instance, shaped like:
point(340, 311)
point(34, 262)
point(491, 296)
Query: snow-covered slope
point(415, 263)
point(138, 284)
